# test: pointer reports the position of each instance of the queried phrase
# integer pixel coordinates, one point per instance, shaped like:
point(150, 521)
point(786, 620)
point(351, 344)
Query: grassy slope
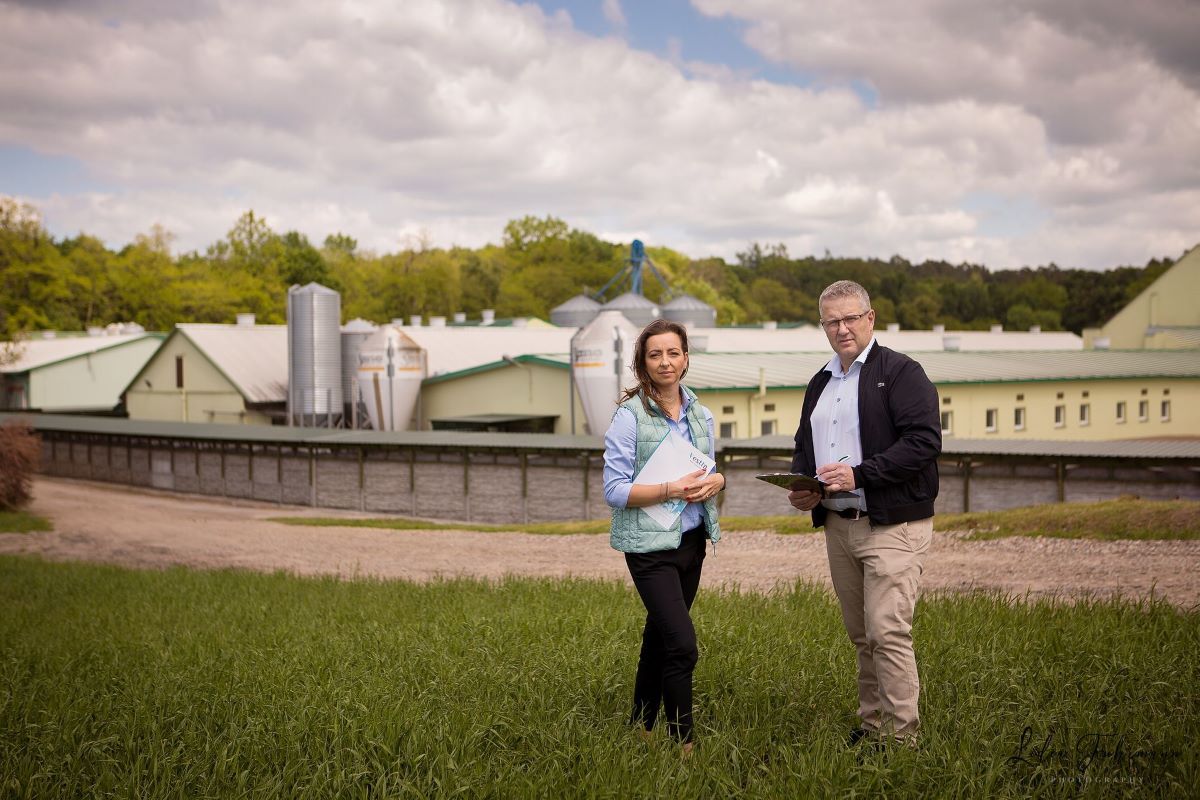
point(192, 683)
point(1110, 519)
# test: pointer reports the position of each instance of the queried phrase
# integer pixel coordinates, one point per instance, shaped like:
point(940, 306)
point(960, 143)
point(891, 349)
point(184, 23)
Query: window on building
point(727, 430)
point(178, 372)
point(1085, 413)
point(1120, 411)
point(1166, 410)
point(1060, 416)
point(1019, 418)
point(945, 401)
point(1059, 396)
point(1020, 398)
point(1085, 394)
point(769, 407)
point(1143, 411)
point(768, 427)
point(990, 420)
point(947, 423)
point(1145, 392)
point(726, 409)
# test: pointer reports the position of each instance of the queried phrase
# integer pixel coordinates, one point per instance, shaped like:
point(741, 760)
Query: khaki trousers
point(875, 572)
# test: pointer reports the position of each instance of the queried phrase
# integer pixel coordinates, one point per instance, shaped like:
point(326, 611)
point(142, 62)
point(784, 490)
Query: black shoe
point(858, 734)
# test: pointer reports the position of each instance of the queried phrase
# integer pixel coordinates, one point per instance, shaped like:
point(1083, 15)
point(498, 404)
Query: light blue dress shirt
point(834, 424)
point(620, 458)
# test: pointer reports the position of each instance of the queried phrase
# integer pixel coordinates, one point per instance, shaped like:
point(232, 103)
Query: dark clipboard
point(793, 481)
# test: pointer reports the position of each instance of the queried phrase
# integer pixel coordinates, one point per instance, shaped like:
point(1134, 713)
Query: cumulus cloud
point(383, 120)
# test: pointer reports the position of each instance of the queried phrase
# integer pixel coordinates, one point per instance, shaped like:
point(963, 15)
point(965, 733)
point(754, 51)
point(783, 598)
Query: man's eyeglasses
point(832, 325)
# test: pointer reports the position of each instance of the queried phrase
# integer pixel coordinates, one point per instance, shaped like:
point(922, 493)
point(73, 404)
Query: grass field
point(199, 684)
point(23, 522)
point(1109, 519)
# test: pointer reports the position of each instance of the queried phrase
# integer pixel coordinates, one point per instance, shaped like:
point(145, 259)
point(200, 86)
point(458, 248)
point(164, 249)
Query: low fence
point(521, 478)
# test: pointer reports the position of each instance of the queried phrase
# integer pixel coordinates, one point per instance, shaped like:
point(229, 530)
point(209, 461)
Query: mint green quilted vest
point(633, 530)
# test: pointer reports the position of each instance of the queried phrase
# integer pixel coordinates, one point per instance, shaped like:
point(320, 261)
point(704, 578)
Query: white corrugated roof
point(741, 370)
point(812, 339)
point(35, 353)
point(253, 357)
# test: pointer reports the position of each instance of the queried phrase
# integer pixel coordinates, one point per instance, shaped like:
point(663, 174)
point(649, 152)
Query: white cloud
point(382, 120)
point(613, 13)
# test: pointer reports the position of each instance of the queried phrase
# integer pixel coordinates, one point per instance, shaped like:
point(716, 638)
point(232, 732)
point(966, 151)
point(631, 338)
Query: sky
point(1007, 133)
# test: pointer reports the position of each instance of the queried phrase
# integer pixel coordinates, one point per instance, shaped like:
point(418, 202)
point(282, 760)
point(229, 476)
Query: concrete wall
point(527, 486)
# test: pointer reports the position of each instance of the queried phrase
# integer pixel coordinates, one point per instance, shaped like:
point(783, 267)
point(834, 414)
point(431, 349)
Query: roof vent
point(245, 320)
point(892, 327)
point(1035, 328)
point(460, 317)
point(997, 329)
point(489, 316)
point(939, 328)
point(770, 325)
point(951, 343)
point(437, 322)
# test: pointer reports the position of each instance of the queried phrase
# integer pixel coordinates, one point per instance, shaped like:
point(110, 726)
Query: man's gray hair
point(845, 289)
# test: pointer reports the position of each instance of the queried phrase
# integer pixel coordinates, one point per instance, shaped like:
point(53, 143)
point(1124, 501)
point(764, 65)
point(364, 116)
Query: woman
point(664, 562)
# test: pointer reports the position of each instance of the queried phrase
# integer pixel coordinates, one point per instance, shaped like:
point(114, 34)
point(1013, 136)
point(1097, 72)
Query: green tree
point(35, 281)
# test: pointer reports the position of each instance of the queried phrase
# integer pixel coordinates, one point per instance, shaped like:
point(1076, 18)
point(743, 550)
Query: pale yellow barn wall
point(1169, 301)
point(968, 403)
point(206, 396)
point(529, 388)
point(747, 412)
point(94, 380)
point(507, 391)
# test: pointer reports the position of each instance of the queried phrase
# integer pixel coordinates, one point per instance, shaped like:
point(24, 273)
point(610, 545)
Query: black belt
point(849, 513)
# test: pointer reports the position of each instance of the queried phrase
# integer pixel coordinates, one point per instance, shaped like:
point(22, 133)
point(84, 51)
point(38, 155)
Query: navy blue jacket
point(900, 429)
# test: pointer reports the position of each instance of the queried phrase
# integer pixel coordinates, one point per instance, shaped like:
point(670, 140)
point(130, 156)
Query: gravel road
point(135, 528)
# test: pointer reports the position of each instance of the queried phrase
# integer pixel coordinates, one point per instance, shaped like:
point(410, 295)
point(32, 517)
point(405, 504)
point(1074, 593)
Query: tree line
point(77, 282)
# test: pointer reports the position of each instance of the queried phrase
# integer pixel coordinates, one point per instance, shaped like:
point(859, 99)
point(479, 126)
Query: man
point(870, 431)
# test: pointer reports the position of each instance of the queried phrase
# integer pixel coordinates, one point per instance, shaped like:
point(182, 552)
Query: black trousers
point(667, 582)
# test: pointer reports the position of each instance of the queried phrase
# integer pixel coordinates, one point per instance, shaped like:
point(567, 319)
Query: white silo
point(354, 333)
point(575, 313)
point(688, 310)
point(601, 354)
point(391, 367)
point(637, 309)
point(314, 355)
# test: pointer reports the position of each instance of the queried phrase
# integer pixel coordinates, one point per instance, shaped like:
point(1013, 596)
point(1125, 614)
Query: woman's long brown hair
point(645, 386)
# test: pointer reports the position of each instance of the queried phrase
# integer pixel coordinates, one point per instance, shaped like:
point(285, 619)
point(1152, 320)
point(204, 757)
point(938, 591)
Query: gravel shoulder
point(146, 529)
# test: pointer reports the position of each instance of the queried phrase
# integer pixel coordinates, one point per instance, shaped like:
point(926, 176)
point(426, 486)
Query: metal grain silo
point(688, 310)
point(354, 333)
point(637, 309)
point(314, 355)
point(575, 313)
point(601, 355)
point(391, 366)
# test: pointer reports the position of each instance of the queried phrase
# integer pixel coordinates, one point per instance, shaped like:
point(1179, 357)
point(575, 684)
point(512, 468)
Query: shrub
point(19, 452)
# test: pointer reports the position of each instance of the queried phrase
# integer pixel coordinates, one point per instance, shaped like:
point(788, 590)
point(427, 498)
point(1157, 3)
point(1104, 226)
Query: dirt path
point(97, 522)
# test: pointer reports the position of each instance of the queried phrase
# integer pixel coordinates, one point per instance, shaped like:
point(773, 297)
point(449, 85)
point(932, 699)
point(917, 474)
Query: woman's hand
point(700, 487)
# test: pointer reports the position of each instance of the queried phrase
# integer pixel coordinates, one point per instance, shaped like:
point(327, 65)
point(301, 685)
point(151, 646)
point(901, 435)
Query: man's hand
point(804, 500)
point(837, 477)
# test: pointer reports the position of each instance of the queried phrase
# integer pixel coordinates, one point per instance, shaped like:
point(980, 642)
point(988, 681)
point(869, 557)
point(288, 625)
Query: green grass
point(23, 522)
point(1109, 519)
point(211, 684)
